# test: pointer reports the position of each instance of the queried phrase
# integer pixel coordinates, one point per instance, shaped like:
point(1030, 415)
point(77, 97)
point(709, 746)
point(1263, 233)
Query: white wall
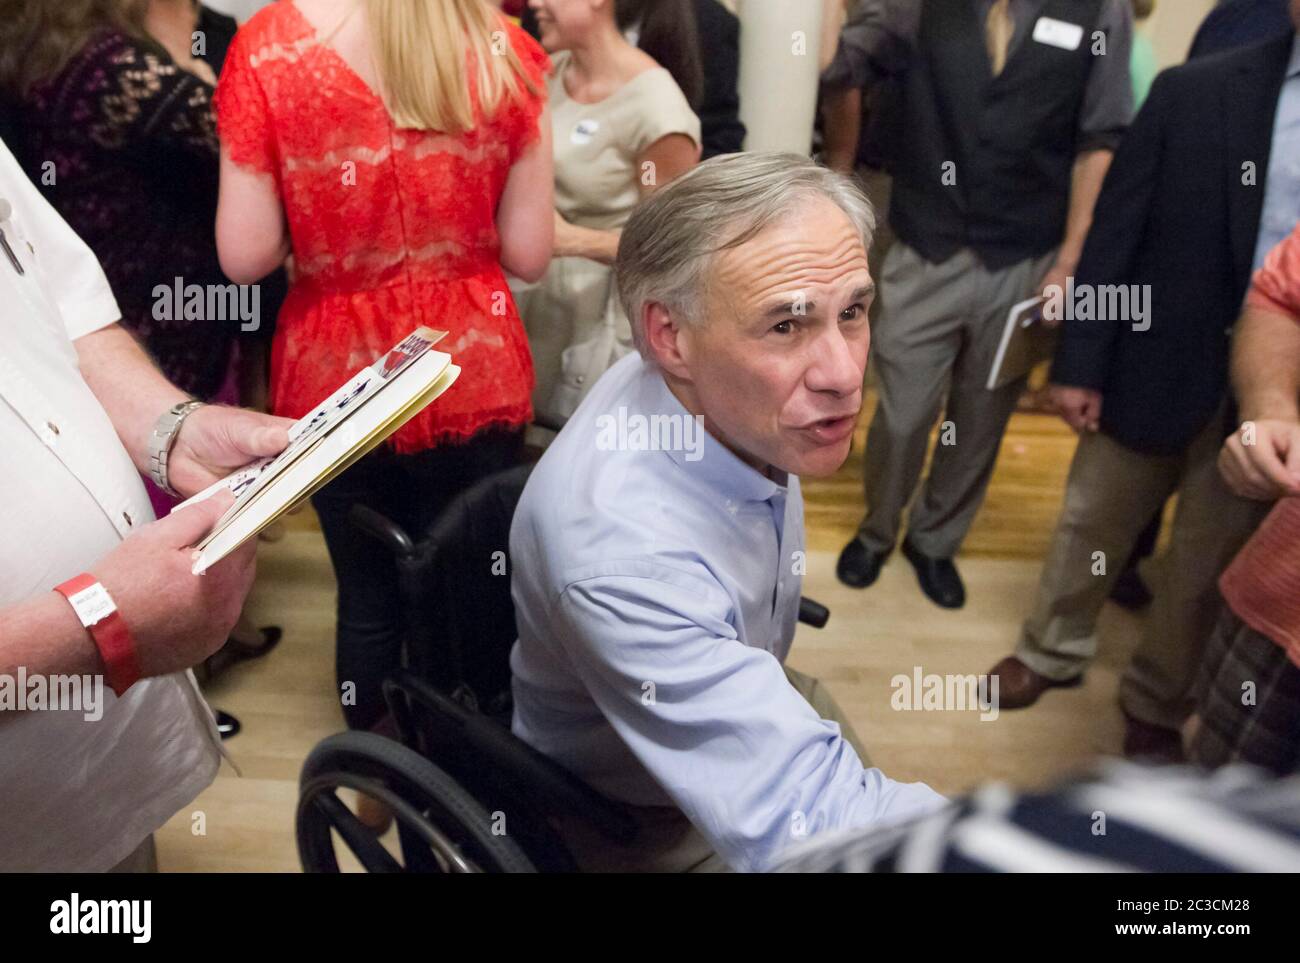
point(1172, 26)
point(779, 69)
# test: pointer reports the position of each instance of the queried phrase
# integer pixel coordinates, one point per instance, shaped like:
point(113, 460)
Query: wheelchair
point(466, 794)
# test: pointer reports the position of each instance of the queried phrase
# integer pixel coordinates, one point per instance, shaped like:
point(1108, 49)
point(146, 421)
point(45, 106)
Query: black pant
point(412, 490)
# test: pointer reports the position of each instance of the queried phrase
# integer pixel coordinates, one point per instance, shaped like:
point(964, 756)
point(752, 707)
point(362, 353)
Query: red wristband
point(98, 613)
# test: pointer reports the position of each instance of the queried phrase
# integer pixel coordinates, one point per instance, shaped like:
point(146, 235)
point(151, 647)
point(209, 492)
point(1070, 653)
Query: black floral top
point(123, 142)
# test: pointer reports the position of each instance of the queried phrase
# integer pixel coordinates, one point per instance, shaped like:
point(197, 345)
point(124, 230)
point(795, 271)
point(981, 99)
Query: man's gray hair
point(667, 248)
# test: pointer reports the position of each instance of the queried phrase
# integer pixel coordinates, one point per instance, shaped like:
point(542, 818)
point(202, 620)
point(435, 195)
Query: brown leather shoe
point(1157, 745)
point(373, 814)
point(1020, 686)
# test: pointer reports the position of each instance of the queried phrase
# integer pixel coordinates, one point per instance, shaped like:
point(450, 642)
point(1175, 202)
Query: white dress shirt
point(75, 794)
point(656, 593)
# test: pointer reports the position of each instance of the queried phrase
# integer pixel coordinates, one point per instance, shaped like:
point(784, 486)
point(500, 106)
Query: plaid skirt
point(1249, 701)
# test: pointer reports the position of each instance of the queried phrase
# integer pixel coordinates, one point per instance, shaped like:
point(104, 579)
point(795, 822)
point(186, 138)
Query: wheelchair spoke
point(440, 827)
point(359, 838)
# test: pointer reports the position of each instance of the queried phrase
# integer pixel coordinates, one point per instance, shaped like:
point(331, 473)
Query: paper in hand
point(353, 420)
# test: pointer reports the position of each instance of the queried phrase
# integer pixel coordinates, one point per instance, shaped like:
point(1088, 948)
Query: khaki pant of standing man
point(1111, 493)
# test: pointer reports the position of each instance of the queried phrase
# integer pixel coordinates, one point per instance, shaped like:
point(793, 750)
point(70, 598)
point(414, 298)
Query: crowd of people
point(561, 186)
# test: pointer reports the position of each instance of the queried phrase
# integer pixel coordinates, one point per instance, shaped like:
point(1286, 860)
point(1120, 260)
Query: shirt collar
point(717, 465)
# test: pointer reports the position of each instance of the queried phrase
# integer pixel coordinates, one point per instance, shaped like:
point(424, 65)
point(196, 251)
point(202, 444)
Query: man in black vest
point(1008, 112)
point(1203, 186)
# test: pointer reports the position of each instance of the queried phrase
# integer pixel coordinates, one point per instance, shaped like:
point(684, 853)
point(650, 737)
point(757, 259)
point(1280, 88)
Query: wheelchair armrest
point(813, 613)
point(379, 526)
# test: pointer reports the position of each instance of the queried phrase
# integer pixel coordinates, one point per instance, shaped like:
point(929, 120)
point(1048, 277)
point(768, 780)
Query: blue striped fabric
point(1121, 818)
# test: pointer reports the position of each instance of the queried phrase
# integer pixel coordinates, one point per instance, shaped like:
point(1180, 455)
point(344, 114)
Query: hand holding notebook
point(1026, 341)
point(348, 424)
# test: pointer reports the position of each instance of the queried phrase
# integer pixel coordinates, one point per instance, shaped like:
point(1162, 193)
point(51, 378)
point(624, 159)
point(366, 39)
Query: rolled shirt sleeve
point(716, 722)
point(1108, 97)
point(875, 40)
point(1276, 285)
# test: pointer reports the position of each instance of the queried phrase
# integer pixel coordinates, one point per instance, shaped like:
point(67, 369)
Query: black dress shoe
point(859, 566)
point(938, 577)
point(227, 725)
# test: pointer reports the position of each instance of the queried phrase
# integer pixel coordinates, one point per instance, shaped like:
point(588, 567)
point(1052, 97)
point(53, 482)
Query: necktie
point(997, 34)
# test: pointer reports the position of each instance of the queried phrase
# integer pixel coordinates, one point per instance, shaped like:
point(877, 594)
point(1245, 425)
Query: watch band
point(163, 439)
point(98, 613)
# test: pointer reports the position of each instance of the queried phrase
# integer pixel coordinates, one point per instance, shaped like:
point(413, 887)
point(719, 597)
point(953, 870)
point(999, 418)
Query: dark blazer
point(1236, 23)
point(1179, 212)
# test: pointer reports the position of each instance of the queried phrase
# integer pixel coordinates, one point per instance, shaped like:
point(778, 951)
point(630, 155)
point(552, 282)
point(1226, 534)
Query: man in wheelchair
point(657, 568)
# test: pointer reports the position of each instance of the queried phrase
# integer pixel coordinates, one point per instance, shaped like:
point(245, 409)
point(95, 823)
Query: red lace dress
point(391, 228)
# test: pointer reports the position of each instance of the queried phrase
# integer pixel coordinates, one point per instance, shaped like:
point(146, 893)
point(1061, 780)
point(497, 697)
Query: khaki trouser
point(668, 841)
point(1111, 494)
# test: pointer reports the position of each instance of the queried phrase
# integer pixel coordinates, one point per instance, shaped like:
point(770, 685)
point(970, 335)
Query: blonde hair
point(422, 51)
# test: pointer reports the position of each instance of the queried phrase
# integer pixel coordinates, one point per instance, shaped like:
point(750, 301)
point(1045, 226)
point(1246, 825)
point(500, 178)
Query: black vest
point(982, 161)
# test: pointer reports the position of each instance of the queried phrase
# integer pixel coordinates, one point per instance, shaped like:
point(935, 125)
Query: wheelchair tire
point(431, 809)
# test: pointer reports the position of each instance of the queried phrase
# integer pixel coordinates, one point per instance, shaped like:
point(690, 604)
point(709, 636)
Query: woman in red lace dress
point(399, 150)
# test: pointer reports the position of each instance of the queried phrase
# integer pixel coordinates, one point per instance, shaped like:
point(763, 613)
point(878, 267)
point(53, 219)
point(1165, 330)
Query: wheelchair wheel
point(441, 827)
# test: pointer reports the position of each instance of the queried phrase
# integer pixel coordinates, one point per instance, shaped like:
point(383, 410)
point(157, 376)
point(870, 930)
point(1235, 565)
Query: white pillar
point(779, 60)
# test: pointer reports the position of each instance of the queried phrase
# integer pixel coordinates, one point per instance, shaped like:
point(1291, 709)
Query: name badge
point(584, 131)
point(1058, 33)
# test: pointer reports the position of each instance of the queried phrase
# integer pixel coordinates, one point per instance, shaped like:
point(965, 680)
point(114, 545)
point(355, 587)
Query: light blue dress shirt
point(657, 594)
point(1282, 185)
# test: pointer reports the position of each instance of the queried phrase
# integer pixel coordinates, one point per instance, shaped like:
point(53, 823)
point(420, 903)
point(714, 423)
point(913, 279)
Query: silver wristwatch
point(161, 442)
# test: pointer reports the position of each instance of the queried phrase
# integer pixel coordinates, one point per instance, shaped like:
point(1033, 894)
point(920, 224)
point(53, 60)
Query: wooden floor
point(287, 702)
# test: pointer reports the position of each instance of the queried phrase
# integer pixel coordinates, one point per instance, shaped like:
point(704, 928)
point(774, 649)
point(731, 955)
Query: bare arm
point(177, 618)
point(525, 219)
point(252, 235)
point(1085, 184)
point(1262, 459)
point(1080, 407)
point(213, 441)
point(573, 240)
point(44, 636)
point(1266, 366)
point(663, 161)
point(128, 385)
point(841, 127)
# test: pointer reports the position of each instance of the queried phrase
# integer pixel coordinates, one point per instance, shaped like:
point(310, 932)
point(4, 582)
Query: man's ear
point(668, 341)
